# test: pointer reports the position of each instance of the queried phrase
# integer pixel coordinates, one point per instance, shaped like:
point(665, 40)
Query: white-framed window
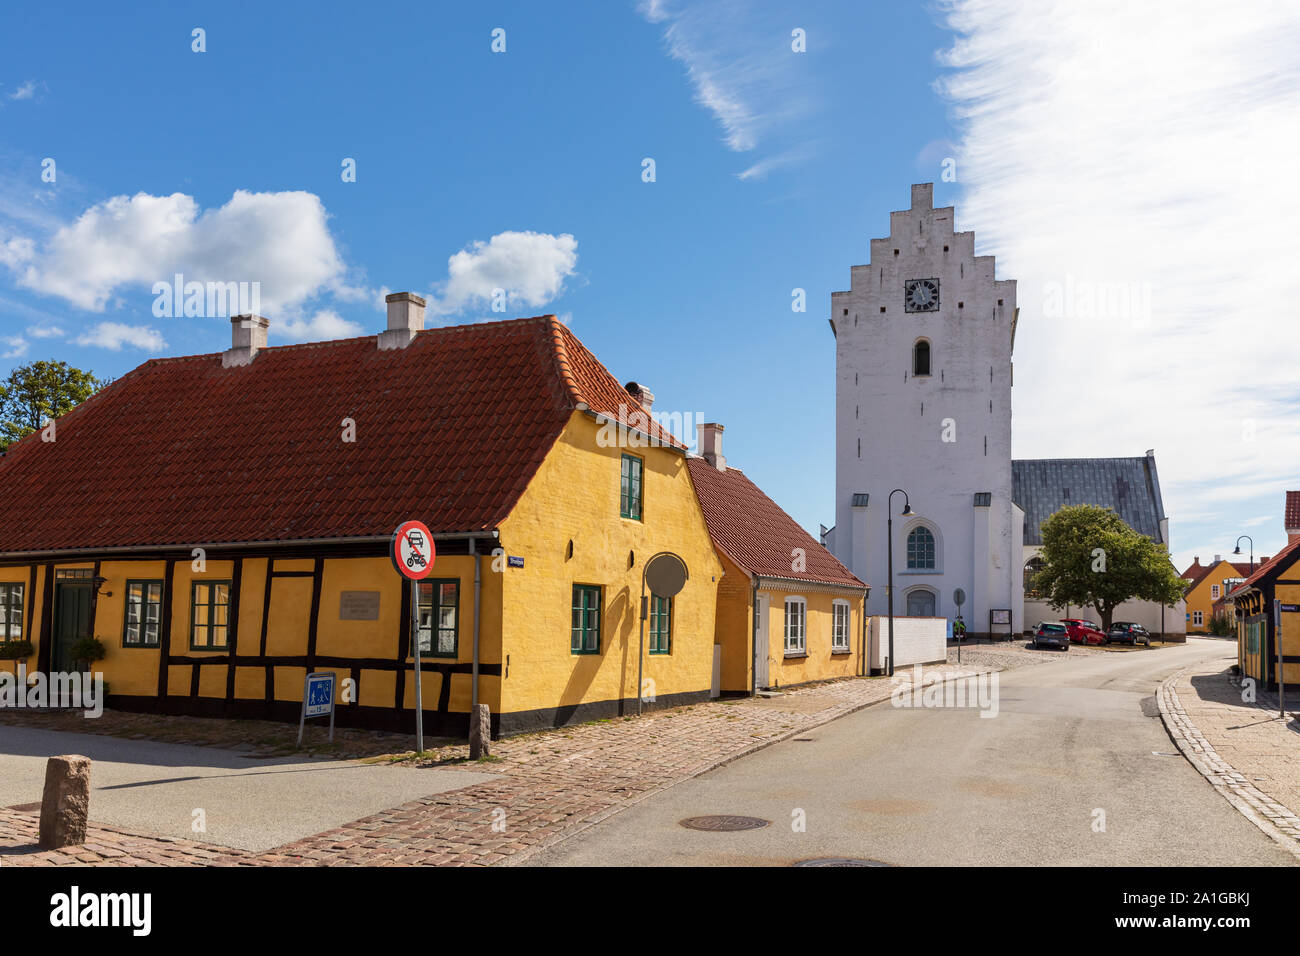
point(1198, 618)
point(840, 627)
point(796, 625)
point(1214, 591)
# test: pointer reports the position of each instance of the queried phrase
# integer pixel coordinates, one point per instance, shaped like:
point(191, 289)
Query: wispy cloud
point(1122, 160)
point(27, 91)
point(117, 335)
point(12, 346)
point(739, 60)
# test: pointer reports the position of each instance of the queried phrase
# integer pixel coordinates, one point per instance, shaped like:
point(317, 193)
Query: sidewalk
point(1243, 749)
point(552, 784)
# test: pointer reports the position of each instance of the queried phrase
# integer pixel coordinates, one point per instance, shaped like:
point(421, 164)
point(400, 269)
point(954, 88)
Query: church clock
point(921, 295)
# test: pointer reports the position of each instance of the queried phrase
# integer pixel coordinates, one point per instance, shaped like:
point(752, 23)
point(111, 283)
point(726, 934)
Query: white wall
point(890, 424)
point(917, 640)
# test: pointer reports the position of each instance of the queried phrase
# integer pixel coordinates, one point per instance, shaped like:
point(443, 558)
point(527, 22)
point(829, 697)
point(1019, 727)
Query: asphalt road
point(947, 787)
point(247, 802)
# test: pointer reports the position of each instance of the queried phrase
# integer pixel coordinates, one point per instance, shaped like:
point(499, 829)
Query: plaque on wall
point(359, 606)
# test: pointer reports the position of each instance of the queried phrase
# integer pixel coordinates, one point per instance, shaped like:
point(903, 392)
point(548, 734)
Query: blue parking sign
point(317, 700)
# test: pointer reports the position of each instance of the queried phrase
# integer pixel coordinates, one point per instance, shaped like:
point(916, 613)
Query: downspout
point(478, 586)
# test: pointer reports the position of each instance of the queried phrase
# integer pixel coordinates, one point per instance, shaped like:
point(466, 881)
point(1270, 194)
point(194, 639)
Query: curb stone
point(1256, 806)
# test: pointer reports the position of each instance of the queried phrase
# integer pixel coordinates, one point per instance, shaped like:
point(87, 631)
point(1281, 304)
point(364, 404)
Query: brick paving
point(1244, 750)
point(552, 784)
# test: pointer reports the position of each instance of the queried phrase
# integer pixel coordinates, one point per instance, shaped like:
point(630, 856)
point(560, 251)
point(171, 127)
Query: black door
point(71, 620)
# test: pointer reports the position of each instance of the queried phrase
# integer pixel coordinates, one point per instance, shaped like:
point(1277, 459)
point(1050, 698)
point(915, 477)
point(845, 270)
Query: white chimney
point(247, 338)
point(405, 318)
point(709, 436)
point(1218, 558)
point(643, 395)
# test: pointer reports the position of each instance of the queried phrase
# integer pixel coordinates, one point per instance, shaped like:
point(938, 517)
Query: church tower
point(923, 343)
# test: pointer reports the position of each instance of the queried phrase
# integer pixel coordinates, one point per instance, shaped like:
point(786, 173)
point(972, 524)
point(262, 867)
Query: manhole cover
point(840, 861)
point(725, 823)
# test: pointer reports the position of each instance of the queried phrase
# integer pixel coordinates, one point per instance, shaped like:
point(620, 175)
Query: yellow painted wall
point(1253, 663)
point(734, 627)
point(537, 598)
point(819, 663)
point(1199, 598)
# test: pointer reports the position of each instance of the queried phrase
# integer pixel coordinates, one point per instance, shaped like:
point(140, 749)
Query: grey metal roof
point(1042, 486)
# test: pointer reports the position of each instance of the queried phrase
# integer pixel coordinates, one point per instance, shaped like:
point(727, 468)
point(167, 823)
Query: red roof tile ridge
point(560, 351)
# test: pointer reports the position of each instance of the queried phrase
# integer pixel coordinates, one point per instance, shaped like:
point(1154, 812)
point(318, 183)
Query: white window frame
point(1198, 619)
point(795, 630)
point(1214, 591)
point(840, 640)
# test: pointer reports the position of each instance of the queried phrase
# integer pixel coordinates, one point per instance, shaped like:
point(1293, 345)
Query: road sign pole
point(415, 645)
point(1277, 634)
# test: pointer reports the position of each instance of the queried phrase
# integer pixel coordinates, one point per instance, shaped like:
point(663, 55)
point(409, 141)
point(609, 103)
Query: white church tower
point(923, 345)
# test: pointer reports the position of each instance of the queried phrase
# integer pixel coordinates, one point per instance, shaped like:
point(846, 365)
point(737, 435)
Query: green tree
point(1091, 557)
point(35, 393)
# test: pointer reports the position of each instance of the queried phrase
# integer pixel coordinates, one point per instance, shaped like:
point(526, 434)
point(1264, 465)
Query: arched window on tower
point(1032, 567)
point(921, 358)
point(920, 549)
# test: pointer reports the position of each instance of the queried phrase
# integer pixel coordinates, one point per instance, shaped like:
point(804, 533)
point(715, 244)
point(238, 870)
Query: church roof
point(1130, 486)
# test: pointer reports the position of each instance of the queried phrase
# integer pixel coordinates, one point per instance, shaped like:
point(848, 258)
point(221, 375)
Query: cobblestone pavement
point(552, 784)
point(1244, 750)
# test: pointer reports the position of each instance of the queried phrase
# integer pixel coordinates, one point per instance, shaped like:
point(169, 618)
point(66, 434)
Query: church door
point(920, 604)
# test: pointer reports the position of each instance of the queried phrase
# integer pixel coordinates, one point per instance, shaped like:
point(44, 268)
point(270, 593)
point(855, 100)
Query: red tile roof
point(1292, 510)
point(182, 452)
point(752, 530)
point(1196, 571)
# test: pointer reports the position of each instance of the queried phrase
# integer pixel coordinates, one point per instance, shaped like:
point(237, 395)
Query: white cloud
point(529, 266)
point(12, 346)
point(115, 335)
point(1139, 146)
point(281, 240)
point(26, 91)
point(739, 61)
point(46, 332)
point(325, 324)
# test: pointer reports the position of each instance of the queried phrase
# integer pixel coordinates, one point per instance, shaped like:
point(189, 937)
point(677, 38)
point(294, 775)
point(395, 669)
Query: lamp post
point(889, 543)
point(1237, 550)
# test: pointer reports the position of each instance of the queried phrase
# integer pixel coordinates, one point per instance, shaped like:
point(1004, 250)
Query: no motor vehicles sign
point(413, 550)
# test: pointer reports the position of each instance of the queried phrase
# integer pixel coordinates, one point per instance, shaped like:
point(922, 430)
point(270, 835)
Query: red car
point(1084, 632)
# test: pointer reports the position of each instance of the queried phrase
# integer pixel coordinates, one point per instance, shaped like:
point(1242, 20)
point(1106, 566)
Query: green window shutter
point(585, 626)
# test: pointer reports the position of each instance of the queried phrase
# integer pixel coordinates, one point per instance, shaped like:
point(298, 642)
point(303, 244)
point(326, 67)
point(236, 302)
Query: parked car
point(1051, 635)
point(1084, 632)
point(1127, 632)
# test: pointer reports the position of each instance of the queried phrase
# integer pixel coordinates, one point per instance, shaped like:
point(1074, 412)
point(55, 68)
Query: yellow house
point(221, 523)
point(1268, 613)
point(1209, 583)
point(788, 611)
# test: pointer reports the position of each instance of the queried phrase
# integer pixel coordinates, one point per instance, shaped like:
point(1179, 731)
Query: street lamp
point(1237, 550)
point(889, 542)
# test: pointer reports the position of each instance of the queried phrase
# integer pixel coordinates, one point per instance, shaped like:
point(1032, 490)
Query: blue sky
point(1078, 157)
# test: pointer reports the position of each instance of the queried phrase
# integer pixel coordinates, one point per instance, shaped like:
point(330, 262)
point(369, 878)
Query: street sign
point(317, 700)
point(665, 575)
point(959, 597)
point(413, 551)
point(413, 554)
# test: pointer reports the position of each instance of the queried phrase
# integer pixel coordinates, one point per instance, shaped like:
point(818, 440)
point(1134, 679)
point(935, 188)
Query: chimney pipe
point(643, 395)
point(247, 338)
point(405, 319)
point(709, 436)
